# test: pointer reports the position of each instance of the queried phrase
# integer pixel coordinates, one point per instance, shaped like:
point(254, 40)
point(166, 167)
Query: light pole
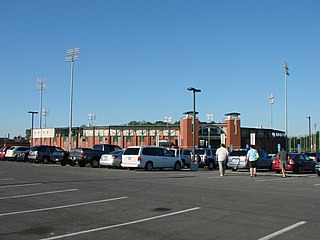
point(32, 119)
point(309, 131)
point(45, 113)
point(168, 120)
point(194, 90)
point(286, 73)
point(72, 56)
point(210, 119)
point(92, 117)
point(271, 101)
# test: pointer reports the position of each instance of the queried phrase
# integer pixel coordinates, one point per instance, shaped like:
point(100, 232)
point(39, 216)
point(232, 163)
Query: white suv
point(184, 154)
point(149, 157)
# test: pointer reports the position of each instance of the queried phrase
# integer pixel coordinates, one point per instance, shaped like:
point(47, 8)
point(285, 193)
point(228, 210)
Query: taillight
point(291, 161)
point(82, 153)
point(139, 159)
point(205, 157)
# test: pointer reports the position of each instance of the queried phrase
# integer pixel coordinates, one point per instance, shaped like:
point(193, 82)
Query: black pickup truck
point(82, 156)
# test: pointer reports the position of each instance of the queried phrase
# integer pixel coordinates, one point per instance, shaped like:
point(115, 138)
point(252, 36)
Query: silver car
point(113, 159)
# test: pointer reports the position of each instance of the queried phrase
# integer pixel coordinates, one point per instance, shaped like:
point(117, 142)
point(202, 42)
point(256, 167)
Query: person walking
point(221, 156)
point(284, 157)
point(252, 156)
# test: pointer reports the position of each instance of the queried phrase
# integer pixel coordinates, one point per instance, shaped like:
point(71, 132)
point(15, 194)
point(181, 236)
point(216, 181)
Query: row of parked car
point(150, 157)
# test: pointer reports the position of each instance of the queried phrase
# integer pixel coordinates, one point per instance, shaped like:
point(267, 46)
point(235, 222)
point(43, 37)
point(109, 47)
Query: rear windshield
point(238, 153)
point(131, 151)
point(200, 151)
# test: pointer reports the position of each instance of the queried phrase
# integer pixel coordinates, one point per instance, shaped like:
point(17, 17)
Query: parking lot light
point(194, 90)
point(32, 120)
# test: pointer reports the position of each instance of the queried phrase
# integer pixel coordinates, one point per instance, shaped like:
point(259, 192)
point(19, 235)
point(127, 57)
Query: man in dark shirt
point(284, 157)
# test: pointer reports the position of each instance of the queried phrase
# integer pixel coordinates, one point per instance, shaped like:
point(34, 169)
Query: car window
point(117, 148)
point(238, 153)
point(59, 149)
point(168, 153)
point(131, 151)
point(307, 158)
point(199, 151)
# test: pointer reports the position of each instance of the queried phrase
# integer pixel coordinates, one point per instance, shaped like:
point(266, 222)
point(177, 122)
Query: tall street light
point(309, 131)
point(72, 56)
point(32, 120)
point(92, 117)
point(271, 101)
point(210, 119)
point(194, 90)
point(286, 73)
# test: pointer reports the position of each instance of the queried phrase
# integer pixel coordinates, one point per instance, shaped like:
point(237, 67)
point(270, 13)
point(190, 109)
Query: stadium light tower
point(41, 85)
point(286, 73)
point(72, 56)
point(194, 90)
point(271, 101)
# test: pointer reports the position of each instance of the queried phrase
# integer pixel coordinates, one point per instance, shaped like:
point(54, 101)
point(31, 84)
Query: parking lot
point(53, 202)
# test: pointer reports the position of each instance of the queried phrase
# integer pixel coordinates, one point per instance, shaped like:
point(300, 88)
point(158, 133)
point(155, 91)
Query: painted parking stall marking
point(37, 194)
point(121, 224)
point(6, 179)
point(20, 185)
point(60, 207)
point(275, 234)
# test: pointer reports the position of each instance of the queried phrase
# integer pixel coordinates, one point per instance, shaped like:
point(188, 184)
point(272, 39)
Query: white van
point(149, 157)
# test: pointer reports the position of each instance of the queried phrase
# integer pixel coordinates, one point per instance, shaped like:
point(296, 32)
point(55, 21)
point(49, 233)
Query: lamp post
point(286, 73)
point(271, 101)
point(32, 119)
point(92, 117)
point(210, 119)
point(194, 90)
point(72, 56)
point(309, 131)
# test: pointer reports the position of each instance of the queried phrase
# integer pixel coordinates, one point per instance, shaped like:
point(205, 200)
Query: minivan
point(149, 157)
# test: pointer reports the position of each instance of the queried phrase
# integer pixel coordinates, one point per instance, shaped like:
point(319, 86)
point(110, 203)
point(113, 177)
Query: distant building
point(211, 135)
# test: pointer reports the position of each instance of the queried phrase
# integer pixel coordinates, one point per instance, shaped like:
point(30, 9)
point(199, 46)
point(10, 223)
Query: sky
point(138, 57)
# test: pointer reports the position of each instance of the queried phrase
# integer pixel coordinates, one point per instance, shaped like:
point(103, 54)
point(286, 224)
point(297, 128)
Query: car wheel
point(177, 166)
point(211, 166)
point(95, 163)
point(63, 163)
point(45, 160)
point(148, 166)
point(318, 173)
point(72, 163)
point(234, 169)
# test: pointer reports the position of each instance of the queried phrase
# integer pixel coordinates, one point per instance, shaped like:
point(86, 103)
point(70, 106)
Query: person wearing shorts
point(252, 157)
point(284, 158)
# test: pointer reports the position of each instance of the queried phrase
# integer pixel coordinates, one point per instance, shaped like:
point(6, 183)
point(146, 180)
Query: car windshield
point(200, 151)
point(238, 153)
point(131, 151)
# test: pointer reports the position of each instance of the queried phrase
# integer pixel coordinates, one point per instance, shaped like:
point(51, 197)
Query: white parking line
point(269, 180)
point(282, 231)
point(121, 224)
point(60, 207)
point(318, 184)
point(20, 185)
point(36, 194)
point(6, 179)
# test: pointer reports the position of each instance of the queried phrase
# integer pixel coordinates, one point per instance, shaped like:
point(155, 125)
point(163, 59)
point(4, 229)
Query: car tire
point(148, 166)
point(95, 163)
point(318, 173)
point(45, 160)
point(234, 169)
point(177, 166)
point(211, 165)
point(63, 163)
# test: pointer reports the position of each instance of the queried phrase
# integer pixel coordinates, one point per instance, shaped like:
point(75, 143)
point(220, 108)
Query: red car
point(298, 163)
point(3, 151)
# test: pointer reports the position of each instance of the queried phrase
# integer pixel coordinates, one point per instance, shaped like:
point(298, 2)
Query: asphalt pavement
point(55, 202)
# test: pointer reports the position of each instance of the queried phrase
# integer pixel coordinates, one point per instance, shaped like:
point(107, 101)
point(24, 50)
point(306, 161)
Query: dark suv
point(206, 157)
point(41, 153)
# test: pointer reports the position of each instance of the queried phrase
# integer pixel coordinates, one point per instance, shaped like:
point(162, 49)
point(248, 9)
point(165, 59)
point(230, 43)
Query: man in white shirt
point(221, 156)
